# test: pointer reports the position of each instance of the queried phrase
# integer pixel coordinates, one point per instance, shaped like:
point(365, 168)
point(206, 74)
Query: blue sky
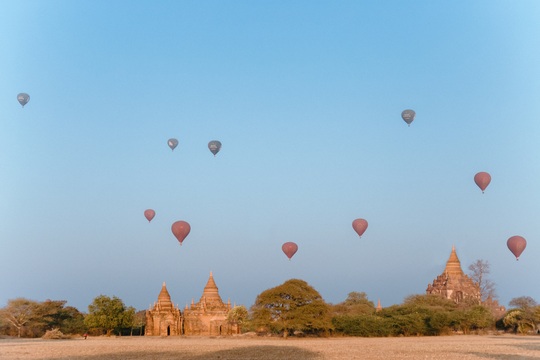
point(306, 98)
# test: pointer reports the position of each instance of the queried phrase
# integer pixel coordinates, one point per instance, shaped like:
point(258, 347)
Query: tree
point(128, 319)
point(477, 318)
point(292, 306)
point(50, 313)
point(19, 313)
point(427, 303)
point(524, 316)
point(523, 302)
point(33, 318)
point(356, 303)
point(139, 321)
point(363, 325)
point(72, 321)
point(238, 315)
point(479, 270)
point(109, 314)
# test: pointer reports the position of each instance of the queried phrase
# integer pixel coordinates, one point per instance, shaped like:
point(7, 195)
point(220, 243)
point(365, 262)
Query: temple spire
point(211, 287)
point(453, 265)
point(164, 299)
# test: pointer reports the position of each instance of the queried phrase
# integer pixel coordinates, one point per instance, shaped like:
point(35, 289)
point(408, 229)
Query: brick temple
point(207, 317)
point(453, 284)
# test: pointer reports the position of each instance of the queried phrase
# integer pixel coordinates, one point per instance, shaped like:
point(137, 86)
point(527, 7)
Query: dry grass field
point(194, 348)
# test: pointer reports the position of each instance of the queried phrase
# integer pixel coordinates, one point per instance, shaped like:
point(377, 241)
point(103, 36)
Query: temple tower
point(209, 315)
point(454, 284)
point(163, 319)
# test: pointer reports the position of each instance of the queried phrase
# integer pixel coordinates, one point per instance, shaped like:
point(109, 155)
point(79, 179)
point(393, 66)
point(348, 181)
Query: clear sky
point(306, 98)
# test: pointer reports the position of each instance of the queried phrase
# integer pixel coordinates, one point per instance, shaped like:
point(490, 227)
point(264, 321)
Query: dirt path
point(189, 348)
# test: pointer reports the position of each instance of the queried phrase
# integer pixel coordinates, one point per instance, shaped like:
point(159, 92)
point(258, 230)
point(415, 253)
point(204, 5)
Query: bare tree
point(479, 270)
point(19, 313)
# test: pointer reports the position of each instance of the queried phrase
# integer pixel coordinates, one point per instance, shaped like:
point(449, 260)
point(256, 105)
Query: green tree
point(109, 314)
point(356, 303)
point(292, 306)
point(476, 318)
point(433, 302)
point(366, 325)
point(421, 315)
point(128, 319)
point(72, 321)
point(50, 314)
point(238, 316)
point(139, 321)
point(524, 316)
point(517, 322)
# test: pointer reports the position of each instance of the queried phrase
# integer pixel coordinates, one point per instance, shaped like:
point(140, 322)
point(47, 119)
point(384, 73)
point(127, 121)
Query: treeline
point(418, 315)
point(295, 308)
point(28, 318)
point(291, 309)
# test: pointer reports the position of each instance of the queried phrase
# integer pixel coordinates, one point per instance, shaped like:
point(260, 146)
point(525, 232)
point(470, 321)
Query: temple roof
point(210, 296)
point(164, 299)
point(453, 265)
point(211, 289)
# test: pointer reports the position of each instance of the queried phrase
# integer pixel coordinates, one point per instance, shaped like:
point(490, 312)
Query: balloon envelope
point(23, 98)
point(289, 248)
point(180, 229)
point(214, 146)
point(149, 214)
point(516, 244)
point(172, 143)
point(408, 116)
point(360, 225)
point(482, 179)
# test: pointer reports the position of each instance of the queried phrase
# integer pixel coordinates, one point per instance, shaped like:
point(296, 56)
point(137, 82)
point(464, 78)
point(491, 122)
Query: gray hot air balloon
point(408, 116)
point(172, 143)
point(23, 98)
point(214, 146)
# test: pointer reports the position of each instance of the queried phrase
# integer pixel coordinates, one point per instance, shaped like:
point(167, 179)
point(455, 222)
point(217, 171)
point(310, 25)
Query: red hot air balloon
point(149, 214)
point(359, 225)
point(482, 179)
point(180, 229)
point(289, 248)
point(516, 244)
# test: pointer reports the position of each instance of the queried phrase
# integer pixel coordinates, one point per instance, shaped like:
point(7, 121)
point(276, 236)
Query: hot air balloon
point(172, 143)
point(23, 98)
point(482, 179)
point(289, 248)
point(214, 146)
point(359, 225)
point(516, 244)
point(180, 229)
point(149, 214)
point(408, 116)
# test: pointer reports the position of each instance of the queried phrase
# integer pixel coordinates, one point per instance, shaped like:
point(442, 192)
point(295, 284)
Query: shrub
point(54, 334)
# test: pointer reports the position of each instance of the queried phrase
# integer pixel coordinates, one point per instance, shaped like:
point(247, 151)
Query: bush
point(54, 334)
point(362, 325)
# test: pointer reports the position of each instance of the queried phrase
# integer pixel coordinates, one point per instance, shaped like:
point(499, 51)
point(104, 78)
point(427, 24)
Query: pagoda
point(453, 284)
point(209, 315)
point(163, 318)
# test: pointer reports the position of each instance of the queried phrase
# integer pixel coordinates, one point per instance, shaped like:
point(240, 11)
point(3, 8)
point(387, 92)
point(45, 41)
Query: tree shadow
point(503, 356)
point(528, 345)
point(264, 352)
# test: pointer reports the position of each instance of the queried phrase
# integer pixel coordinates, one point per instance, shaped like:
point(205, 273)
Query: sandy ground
point(193, 348)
